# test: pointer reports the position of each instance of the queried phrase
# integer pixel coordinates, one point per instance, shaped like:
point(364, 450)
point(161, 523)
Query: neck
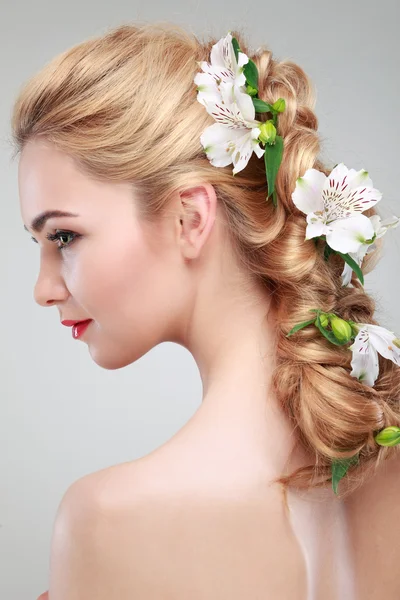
point(239, 415)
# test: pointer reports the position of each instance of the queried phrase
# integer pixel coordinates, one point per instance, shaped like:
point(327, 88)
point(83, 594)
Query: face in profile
point(103, 263)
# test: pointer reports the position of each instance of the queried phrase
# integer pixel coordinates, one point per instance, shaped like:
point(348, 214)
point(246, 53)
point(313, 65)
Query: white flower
point(234, 137)
point(370, 340)
point(223, 78)
point(334, 204)
point(380, 229)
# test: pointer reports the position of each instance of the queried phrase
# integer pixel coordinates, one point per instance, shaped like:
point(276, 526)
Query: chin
point(111, 363)
point(112, 358)
point(113, 353)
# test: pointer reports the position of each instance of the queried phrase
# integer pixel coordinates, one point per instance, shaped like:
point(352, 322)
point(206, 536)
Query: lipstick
point(79, 328)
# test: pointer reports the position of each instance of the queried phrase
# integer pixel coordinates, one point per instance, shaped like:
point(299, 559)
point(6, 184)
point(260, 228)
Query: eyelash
point(54, 237)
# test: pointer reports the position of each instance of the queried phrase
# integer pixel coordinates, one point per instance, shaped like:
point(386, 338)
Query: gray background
point(62, 416)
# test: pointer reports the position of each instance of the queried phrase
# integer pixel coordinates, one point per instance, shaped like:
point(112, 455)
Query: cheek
point(121, 282)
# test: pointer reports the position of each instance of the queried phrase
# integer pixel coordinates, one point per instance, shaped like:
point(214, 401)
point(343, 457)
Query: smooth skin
point(199, 517)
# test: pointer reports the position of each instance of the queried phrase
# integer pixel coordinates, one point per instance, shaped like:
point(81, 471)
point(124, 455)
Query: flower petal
point(207, 88)
point(222, 54)
point(341, 198)
point(307, 195)
point(354, 178)
point(349, 234)
point(243, 59)
point(365, 361)
point(346, 275)
point(227, 93)
point(223, 60)
point(217, 143)
point(255, 132)
point(224, 145)
point(382, 340)
point(315, 226)
point(381, 227)
point(244, 149)
point(245, 105)
point(359, 178)
point(230, 115)
point(222, 73)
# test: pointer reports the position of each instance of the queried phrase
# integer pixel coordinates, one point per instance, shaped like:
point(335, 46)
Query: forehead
point(49, 179)
point(46, 177)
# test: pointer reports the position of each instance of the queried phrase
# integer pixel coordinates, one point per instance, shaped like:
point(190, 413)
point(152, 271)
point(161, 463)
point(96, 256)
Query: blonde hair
point(124, 106)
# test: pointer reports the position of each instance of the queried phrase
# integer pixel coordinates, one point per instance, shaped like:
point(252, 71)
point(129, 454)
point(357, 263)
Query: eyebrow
point(40, 221)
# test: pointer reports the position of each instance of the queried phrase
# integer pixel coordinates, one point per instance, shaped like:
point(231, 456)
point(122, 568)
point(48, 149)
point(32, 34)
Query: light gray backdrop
point(62, 416)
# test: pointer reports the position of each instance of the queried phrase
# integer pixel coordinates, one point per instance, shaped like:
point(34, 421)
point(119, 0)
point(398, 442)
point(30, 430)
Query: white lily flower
point(333, 205)
point(232, 139)
point(224, 146)
point(380, 228)
point(370, 340)
point(223, 78)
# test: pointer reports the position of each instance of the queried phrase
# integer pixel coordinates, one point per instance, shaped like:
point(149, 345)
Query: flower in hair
point(228, 89)
point(367, 341)
point(223, 77)
point(333, 205)
point(380, 228)
point(371, 340)
point(232, 139)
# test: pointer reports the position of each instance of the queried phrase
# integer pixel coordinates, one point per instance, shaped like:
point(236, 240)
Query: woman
point(152, 243)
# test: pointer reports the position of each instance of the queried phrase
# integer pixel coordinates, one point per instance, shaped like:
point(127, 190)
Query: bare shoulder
point(158, 527)
point(172, 524)
point(373, 515)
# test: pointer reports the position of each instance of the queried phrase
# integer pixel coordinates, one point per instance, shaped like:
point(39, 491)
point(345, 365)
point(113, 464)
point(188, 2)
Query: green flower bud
point(396, 342)
point(390, 436)
point(279, 105)
point(251, 91)
point(267, 132)
point(355, 328)
point(341, 329)
point(324, 320)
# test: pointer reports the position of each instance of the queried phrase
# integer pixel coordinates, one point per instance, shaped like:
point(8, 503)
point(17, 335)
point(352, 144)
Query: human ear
point(197, 216)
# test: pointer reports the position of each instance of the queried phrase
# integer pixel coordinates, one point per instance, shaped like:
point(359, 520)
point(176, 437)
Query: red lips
point(68, 323)
point(79, 328)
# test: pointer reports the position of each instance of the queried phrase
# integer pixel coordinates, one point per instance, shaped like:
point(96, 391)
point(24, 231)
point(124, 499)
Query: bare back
point(204, 531)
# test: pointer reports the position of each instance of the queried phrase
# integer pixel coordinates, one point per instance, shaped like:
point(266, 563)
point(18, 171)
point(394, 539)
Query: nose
point(50, 287)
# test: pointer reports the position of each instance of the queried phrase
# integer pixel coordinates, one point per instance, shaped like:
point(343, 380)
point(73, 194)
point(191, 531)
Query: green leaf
point(251, 73)
point(249, 69)
point(328, 251)
point(339, 469)
point(273, 158)
point(299, 326)
point(330, 336)
point(261, 106)
point(353, 265)
point(236, 47)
